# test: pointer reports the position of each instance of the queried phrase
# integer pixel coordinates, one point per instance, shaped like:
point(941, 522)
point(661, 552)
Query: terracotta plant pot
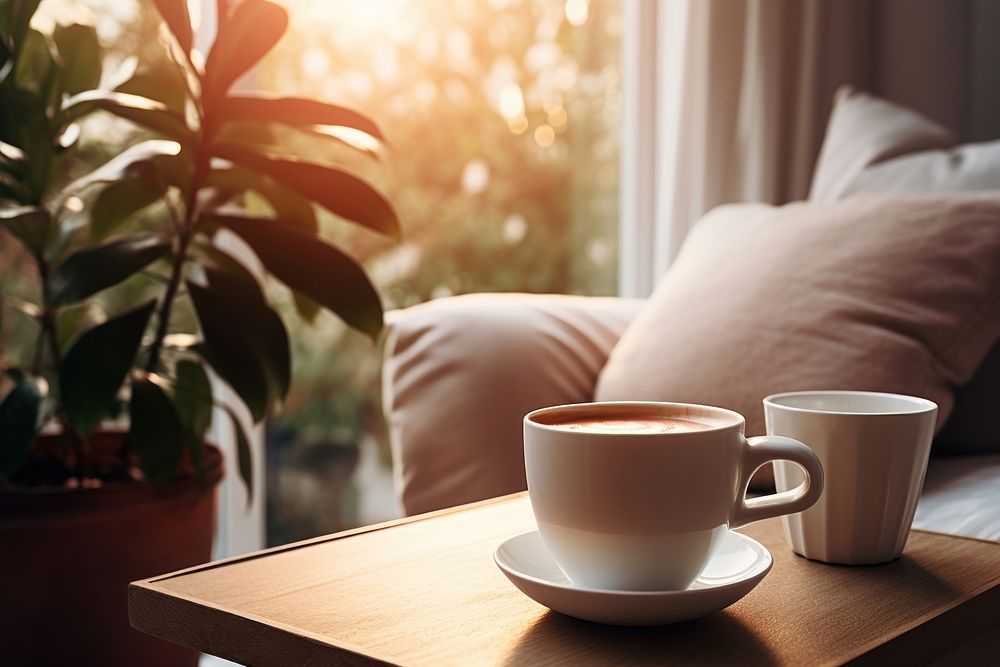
point(67, 557)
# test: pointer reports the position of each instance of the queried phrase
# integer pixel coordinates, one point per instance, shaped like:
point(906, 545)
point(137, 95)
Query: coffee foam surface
point(608, 424)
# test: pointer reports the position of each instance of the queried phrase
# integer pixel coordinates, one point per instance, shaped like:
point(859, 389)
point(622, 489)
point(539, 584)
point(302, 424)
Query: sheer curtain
point(728, 101)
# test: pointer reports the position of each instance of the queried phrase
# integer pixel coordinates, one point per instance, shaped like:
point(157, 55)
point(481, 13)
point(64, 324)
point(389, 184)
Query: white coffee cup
point(626, 508)
point(874, 449)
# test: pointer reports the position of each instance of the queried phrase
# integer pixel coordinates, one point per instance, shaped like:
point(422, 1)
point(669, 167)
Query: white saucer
point(737, 565)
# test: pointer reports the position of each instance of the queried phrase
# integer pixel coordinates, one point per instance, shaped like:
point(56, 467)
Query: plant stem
point(166, 306)
point(81, 450)
point(46, 320)
point(180, 258)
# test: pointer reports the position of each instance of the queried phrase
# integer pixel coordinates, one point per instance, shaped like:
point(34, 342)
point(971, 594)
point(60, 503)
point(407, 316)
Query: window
point(503, 125)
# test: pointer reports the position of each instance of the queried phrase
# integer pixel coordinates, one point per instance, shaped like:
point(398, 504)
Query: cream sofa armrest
point(461, 372)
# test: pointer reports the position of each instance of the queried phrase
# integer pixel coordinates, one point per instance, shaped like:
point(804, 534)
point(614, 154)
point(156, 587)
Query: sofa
point(461, 372)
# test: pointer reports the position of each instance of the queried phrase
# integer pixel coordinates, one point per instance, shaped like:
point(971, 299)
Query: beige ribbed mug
point(874, 449)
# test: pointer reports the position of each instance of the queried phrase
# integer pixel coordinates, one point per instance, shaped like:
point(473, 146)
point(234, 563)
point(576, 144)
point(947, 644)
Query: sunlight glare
point(515, 228)
point(511, 101)
point(598, 251)
point(458, 45)
point(475, 176)
point(194, 10)
point(577, 11)
point(367, 20)
point(315, 63)
point(360, 140)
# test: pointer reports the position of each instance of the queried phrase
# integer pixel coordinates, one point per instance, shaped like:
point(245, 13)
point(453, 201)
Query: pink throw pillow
point(872, 293)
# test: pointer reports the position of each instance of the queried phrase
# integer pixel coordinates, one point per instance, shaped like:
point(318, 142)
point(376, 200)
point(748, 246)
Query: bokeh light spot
point(511, 101)
point(577, 11)
point(544, 135)
point(475, 176)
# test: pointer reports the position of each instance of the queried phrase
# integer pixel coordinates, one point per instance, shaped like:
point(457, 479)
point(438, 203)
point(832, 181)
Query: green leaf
point(6, 64)
point(161, 80)
point(18, 422)
point(96, 268)
point(305, 307)
point(20, 18)
point(140, 110)
point(34, 62)
point(213, 257)
point(158, 160)
point(95, 366)
point(175, 13)
point(71, 320)
point(229, 352)
point(11, 189)
point(80, 52)
point(191, 71)
point(243, 455)
point(287, 206)
point(193, 398)
point(294, 111)
point(335, 190)
point(314, 268)
point(29, 224)
point(118, 202)
point(258, 322)
point(253, 28)
point(155, 431)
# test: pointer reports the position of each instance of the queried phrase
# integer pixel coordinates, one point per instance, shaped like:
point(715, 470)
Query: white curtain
point(727, 100)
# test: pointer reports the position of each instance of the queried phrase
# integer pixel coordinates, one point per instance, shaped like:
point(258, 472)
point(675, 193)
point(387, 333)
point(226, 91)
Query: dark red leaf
point(294, 111)
point(175, 13)
point(253, 28)
point(337, 191)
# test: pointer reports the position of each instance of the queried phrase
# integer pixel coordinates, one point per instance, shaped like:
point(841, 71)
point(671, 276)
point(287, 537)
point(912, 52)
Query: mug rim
point(921, 405)
point(739, 421)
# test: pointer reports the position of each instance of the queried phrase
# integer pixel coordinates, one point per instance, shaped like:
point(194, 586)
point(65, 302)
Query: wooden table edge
point(334, 536)
point(142, 593)
point(178, 615)
point(962, 621)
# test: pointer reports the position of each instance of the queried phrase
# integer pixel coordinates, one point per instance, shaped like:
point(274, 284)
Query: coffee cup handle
point(763, 449)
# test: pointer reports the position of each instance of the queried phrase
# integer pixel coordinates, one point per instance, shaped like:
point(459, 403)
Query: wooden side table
point(425, 591)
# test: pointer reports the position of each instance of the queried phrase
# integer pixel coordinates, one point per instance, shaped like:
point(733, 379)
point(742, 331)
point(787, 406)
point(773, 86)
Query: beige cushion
point(877, 147)
point(872, 293)
point(865, 131)
point(873, 146)
point(461, 372)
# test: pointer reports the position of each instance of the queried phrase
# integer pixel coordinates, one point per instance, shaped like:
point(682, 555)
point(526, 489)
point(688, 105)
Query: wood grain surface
point(425, 591)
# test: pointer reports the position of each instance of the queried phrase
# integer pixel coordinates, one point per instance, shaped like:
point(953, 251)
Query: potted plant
point(86, 507)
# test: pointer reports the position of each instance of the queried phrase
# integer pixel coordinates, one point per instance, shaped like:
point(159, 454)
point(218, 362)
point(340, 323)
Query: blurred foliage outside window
point(502, 119)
